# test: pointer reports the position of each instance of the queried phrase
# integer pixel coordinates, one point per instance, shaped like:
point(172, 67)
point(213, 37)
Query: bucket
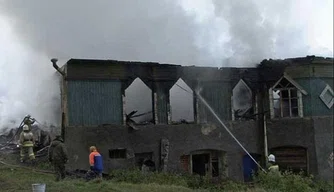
point(38, 187)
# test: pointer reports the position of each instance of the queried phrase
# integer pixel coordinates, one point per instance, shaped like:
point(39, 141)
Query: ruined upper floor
point(289, 88)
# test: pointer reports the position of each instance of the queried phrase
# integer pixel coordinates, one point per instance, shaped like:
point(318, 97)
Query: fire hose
point(223, 124)
point(24, 167)
point(16, 133)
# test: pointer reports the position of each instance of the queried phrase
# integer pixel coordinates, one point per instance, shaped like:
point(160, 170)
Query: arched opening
point(291, 158)
point(138, 102)
point(242, 101)
point(181, 102)
point(249, 166)
point(286, 98)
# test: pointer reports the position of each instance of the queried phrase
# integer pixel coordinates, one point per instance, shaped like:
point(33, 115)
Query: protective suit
point(58, 157)
point(28, 121)
point(272, 165)
point(26, 143)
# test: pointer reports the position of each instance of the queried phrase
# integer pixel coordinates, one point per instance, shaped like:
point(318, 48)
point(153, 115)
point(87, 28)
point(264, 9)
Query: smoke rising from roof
point(187, 32)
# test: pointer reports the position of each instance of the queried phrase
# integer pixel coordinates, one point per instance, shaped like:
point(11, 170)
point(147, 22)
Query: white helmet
point(271, 158)
point(25, 128)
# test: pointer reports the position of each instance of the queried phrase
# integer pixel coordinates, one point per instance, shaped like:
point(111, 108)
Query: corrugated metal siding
point(162, 109)
point(319, 70)
point(292, 158)
point(313, 105)
point(298, 71)
point(94, 103)
point(218, 96)
point(317, 86)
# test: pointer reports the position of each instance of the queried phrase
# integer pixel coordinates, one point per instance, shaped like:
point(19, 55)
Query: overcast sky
point(186, 32)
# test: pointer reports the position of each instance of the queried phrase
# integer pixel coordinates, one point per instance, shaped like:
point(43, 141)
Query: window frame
point(299, 98)
point(253, 97)
point(118, 153)
point(322, 96)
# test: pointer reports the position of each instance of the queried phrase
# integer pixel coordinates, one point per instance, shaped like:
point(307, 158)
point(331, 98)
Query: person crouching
point(96, 164)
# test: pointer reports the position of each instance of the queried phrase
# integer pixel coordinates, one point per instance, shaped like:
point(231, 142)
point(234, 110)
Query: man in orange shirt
point(95, 161)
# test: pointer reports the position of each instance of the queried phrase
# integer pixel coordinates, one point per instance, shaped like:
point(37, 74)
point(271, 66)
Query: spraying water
point(221, 122)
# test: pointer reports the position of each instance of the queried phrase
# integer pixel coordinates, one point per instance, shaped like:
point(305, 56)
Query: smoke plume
point(187, 32)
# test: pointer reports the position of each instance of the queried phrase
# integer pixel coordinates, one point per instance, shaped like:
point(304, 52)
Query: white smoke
point(28, 83)
point(187, 32)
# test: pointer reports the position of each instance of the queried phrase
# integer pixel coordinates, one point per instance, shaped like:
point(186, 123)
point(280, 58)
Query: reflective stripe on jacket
point(273, 168)
point(28, 144)
point(26, 139)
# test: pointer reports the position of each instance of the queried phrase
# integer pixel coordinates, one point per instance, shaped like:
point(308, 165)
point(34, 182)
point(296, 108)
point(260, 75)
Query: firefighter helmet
point(25, 128)
point(271, 158)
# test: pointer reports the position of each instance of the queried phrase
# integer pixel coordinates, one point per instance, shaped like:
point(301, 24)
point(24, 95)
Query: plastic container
point(38, 187)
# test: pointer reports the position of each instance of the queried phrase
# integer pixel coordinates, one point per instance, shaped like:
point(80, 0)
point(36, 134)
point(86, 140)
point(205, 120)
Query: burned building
point(285, 106)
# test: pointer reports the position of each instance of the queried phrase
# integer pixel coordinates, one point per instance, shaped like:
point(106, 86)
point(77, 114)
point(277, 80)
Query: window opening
point(117, 153)
point(138, 103)
point(144, 161)
point(242, 101)
point(181, 103)
point(286, 98)
point(200, 164)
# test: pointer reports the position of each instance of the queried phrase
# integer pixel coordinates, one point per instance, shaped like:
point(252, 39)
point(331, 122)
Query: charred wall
point(216, 85)
point(323, 127)
point(183, 139)
point(294, 132)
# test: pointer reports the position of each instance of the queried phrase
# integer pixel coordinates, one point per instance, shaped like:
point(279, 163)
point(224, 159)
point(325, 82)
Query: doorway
point(200, 163)
point(249, 166)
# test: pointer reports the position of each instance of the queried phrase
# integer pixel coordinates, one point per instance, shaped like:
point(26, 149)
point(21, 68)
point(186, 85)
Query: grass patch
point(20, 179)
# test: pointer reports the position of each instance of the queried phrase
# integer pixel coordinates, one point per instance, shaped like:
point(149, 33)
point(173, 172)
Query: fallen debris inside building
point(284, 107)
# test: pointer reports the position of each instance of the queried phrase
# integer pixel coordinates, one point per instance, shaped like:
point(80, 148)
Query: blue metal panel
point(249, 166)
point(94, 102)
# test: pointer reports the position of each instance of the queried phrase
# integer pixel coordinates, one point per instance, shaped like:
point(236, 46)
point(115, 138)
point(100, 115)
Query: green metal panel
point(307, 99)
point(162, 109)
point(298, 71)
point(218, 96)
point(313, 105)
point(317, 86)
point(322, 70)
point(94, 102)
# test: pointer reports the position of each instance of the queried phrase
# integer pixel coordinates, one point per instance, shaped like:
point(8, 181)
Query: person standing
point(26, 143)
point(95, 162)
point(58, 157)
point(272, 165)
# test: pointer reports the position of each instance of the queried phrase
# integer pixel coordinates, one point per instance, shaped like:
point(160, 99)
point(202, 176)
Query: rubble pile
point(9, 140)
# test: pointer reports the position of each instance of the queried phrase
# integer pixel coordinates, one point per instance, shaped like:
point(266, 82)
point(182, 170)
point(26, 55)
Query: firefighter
point(58, 157)
point(272, 165)
point(26, 144)
point(29, 121)
point(96, 164)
